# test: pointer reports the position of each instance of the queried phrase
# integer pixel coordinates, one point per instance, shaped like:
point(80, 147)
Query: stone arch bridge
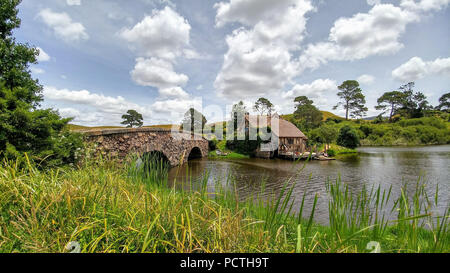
point(177, 147)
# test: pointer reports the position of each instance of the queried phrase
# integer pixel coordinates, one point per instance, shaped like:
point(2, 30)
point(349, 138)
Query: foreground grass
point(108, 208)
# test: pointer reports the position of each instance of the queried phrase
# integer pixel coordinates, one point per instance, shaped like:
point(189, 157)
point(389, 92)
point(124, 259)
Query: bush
point(331, 153)
point(213, 144)
point(348, 137)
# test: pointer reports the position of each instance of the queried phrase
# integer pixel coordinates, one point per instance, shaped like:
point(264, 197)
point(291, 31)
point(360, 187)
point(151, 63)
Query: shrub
point(348, 137)
point(213, 144)
point(331, 153)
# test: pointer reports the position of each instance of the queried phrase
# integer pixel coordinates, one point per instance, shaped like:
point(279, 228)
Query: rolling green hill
point(326, 115)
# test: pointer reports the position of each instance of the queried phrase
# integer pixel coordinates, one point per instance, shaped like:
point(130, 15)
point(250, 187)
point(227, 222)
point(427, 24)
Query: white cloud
point(161, 38)
point(105, 104)
point(93, 109)
point(69, 112)
point(73, 2)
point(316, 89)
point(416, 69)
point(176, 92)
point(43, 56)
point(366, 79)
point(253, 70)
point(177, 106)
point(373, 2)
point(63, 26)
point(36, 70)
point(365, 34)
point(319, 91)
point(259, 58)
point(424, 5)
point(157, 72)
point(251, 12)
point(164, 34)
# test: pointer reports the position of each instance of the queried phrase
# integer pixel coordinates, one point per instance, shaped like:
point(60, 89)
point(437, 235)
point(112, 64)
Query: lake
point(373, 166)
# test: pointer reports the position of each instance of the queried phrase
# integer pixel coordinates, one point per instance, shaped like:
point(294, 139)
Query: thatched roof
point(285, 128)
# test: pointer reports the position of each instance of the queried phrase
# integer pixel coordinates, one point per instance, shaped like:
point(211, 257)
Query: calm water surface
point(385, 166)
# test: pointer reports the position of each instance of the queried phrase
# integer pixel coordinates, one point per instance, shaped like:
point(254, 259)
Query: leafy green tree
point(352, 98)
point(194, 121)
point(238, 113)
point(24, 126)
point(132, 119)
point(329, 133)
point(263, 105)
point(414, 103)
point(348, 137)
point(444, 102)
point(306, 114)
point(390, 100)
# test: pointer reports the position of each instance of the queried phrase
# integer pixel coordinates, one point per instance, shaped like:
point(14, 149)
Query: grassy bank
point(225, 153)
point(111, 208)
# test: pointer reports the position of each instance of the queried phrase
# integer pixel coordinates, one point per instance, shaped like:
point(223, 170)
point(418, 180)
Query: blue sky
point(100, 58)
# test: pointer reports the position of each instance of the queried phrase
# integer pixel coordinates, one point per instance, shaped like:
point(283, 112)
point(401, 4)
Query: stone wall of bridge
point(122, 142)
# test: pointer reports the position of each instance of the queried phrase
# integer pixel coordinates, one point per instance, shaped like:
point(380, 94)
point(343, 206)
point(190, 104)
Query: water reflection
point(374, 166)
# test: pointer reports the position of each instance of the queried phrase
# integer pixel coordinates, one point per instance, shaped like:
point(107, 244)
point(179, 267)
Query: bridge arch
point(195, 153)
point(156, 156)
point(120, 143)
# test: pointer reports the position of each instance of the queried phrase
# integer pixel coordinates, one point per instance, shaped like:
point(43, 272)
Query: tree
point(352, 98)
point(348, 137)
point(194, 121)
point(414, 103)
point(24, 127)
point(238, 113)
point(328, 133)
point(444, 102)
point(307, 115)
point(392, 100)
point(263, 105)
point(132, 118)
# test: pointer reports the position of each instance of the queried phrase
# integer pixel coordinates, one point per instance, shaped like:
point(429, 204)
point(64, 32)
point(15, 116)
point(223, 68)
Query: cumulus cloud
point(176, 92)
point(172, 110)
point(424, 5)
point(176, 106)
point(63, 26)
point(157, 72)
point(319, 91)
point(365, 34)
point(259, 58)
point(43, 56)
point(73, 2)
point(416, 69)
point(250, 12)
point(102, 103)
point(366, 79)
point(36, 70)
point(164, 34)
point(373, 2)
point(161, 38)
point(316, 89)
point(91, 108)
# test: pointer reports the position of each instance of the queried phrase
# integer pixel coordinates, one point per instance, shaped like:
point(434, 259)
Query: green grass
point(108, 207)
point(221, 146)
point(230, 155)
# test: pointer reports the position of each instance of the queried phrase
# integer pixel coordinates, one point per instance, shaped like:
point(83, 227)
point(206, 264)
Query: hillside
point(326, 115)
